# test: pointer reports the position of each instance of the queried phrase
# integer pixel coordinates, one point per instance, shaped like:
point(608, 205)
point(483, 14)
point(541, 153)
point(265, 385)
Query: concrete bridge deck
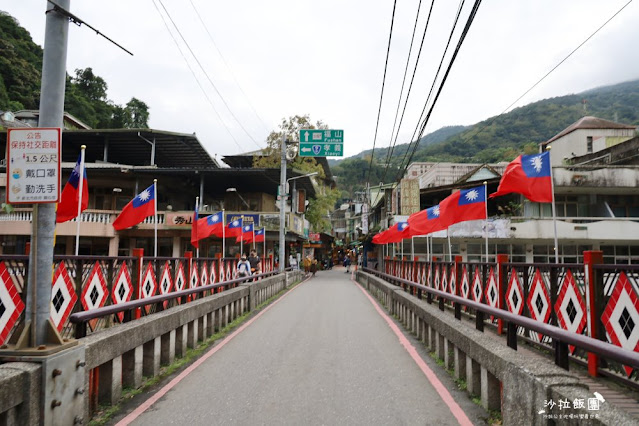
point(322, 354)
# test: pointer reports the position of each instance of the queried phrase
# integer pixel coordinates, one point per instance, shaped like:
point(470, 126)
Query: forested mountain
point(86, 93)
point(500, 138)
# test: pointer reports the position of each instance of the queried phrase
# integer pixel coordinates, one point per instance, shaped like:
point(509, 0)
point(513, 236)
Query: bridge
point(415, 342)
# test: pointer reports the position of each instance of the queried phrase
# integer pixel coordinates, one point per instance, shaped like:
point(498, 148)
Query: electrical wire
point(197, 80)
point(206, 74)
point(248, 100)
point(381, 97)
point(462, 37)
point(492, 120)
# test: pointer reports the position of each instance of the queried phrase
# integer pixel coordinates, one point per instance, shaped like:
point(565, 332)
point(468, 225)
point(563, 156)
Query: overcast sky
point(326, 58)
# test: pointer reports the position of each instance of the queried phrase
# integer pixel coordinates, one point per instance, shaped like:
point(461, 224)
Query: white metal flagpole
point(241, 235)
point(554, 213)
point(486, 221)
point(197, 209)
point(223, 234)
point(450, 250)
point(253, 235)
point(412, 248)
point(155, 203)
point(78, 218)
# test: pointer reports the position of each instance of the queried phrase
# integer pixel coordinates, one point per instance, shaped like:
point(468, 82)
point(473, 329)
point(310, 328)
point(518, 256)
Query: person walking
point(255, 262)
point(347, 263)
point(313, 266)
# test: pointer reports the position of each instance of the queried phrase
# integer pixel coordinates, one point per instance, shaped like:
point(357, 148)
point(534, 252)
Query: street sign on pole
point(321, 143)
point(33, 165)
point(321, 136)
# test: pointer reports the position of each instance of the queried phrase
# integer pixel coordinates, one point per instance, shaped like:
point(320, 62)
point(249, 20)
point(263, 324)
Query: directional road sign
point(321, 149)
point(321, 143)
point(321, 136)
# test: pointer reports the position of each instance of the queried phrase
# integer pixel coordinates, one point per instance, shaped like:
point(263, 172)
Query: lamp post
point(282, 197)
point(238, 194)
point(298, 177)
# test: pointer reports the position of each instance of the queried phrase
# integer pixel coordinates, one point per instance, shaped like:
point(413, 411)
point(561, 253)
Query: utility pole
point(282, 261)
point(38, 307)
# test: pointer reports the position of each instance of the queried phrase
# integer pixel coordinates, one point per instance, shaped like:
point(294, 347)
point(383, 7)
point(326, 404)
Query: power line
point(197, 80)
point(206, 74)
point(492, 120)
point(421, 46)
point(227, 66)
point(381, 97)
point(469, 22)
point(413, 139)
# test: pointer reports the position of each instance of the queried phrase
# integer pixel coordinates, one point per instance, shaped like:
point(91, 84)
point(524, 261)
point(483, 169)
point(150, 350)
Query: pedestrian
point(313, 266)
point(256, 263)
point(347, 263)
point(243, 267)
point(307, 264)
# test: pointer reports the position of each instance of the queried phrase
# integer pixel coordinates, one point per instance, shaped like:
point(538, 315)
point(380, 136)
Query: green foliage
point(324, 202)
point(351, 175)
point(86, 92)
point(20, 65)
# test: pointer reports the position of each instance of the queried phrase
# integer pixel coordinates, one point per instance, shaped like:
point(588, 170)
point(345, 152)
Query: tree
point(137, 114)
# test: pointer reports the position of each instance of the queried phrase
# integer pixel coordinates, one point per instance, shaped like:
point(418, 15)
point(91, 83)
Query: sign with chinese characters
point(409, 202)
point(248, 218)
point(179, 218)
point(321, 143)
point(33, 165)
point(314, 236)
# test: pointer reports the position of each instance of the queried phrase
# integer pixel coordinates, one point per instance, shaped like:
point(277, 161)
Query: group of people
point(310, 265)
point(247, 267)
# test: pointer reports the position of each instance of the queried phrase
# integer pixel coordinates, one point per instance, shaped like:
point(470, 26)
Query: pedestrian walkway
point(322, 354)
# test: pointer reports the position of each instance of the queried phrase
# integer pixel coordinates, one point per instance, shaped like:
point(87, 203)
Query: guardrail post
point(501, 288)
point(137, 272)
point(458, 260)
point(594, 302)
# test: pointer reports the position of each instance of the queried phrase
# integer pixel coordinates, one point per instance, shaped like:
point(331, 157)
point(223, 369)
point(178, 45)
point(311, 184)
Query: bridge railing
point(587, 299)
point(86, 283)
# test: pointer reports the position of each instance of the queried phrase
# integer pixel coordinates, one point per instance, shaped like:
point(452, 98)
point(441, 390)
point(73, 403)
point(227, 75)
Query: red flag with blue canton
point(247, 234)
point(397, 232)
point(530, 176)
point(259, 236)
point(210, 225)
point(138, 209)
point(68, 206)
point(463, 205)
point(234, 228)
point(426, 221)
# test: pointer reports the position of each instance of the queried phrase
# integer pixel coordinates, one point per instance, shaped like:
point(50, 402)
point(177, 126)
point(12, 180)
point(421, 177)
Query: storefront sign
point(248, 218)
point(178, 218)
point(314, 236)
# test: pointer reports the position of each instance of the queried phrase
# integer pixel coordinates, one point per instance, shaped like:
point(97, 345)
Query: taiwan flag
point(234, 228)
point(397, 232)
point(247, 234)
point(528, 175)
point(68, 206)
point(426, 221)
point(463, 205)
point(210, 225)
point(259, 236)
point(138, 209)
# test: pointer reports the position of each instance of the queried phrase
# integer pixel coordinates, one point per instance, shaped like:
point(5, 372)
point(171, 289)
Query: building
point(596, 200)
point(120, 163)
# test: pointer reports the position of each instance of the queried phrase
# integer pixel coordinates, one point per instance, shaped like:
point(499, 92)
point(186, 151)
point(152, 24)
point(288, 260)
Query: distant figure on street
point(243, 267)
point(347, 263)
point(313, 266)
point(292, 261)
point(256, 263)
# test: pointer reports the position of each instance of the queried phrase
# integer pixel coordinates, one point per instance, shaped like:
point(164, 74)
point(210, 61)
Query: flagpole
point(412, 248)
point(197, 209)
point(241, 235)
point(486, 221)
point(78, 218)
point(554, 213)
point(155, 203)
point(223, 235)
point(253, 235)
point(450, 250)
point(427, 249)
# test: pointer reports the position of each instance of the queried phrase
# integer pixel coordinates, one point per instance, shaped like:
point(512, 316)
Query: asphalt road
point(321, 356)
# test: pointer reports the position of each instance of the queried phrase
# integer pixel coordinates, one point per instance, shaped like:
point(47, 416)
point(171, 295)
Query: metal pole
point(223, 235)
point(197, 202)
point(554, 212)
point(412, 248)
point(78, 218)
point(51, 113)
point(282, 202)
point(486, 221)
point(450, 250)
point(155, 228)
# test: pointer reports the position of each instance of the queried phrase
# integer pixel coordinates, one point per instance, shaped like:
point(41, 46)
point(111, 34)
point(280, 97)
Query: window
point(589, 144)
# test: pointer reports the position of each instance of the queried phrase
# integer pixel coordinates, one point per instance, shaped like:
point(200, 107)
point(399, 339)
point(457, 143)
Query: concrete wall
point(122, 355)
point(576, 142)
point(515, 382)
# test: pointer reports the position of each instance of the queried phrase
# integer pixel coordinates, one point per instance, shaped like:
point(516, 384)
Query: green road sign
point(321, 136)
point(321, 149)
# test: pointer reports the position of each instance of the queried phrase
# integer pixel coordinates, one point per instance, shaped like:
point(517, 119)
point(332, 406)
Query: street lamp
point(238, 194)
point(297, 177)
